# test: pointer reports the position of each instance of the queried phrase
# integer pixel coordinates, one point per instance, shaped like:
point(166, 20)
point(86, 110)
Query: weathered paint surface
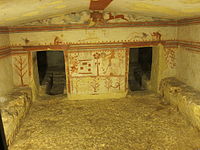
point(94, 35)
point(95, 72)
point(168, 61)
point(94, 18)
point(188, 55)
point(19, 12)
point(6, 77)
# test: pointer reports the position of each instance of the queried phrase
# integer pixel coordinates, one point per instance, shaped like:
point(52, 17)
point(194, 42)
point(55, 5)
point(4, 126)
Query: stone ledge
point(184, 97)
point(14, 109)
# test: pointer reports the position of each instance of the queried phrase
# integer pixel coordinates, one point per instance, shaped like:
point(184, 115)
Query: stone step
point(57, 89)
point(56, 77)
point(57, 73)
point(55, 81)
point(59, 79)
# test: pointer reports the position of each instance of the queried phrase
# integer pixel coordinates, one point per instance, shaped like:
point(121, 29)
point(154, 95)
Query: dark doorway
point(51, 69)
point(140, 60)
point(42, 64)
point(3, 144)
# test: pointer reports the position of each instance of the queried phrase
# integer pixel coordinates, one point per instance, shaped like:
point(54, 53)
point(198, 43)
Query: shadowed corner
point(3, 144)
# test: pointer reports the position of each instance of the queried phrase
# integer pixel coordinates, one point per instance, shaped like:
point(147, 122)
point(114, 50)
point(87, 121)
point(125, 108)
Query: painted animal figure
point(111, 17)
point(142, 37)
point(157, 35)
point(97, 17)
point(57, 41)
point(26, 41)
point(138, 36)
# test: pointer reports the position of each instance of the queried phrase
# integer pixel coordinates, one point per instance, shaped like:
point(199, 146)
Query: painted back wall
point(74, 42)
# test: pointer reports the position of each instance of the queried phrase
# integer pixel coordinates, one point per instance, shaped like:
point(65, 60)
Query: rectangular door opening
point(140, 60)
point(51, 69)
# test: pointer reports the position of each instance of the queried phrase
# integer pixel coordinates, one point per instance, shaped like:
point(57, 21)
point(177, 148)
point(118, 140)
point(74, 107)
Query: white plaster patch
point(3, 99)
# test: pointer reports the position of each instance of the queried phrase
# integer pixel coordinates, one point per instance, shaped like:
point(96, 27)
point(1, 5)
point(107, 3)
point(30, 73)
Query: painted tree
point(109, 83)
point(95, 84)
point(21, 68)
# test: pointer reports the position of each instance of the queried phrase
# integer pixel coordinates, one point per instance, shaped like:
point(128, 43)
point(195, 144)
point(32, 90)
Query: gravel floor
point(139, 122)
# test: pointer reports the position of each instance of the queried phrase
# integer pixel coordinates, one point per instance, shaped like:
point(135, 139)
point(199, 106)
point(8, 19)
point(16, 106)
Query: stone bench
point(14, 108)
point(184, 97)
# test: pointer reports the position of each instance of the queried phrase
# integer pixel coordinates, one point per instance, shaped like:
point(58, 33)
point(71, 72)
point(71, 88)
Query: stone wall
point(34, 76)
point(184, 97)
point(6, 77)
point(188, 55)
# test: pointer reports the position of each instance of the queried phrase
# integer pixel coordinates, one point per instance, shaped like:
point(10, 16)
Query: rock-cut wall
point(6, 72)
point(188, 54)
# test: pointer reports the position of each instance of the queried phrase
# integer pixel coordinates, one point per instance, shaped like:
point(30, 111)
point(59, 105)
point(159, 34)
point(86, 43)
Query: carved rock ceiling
point(16, 12)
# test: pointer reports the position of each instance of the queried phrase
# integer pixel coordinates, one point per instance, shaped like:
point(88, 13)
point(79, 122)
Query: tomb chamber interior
point(100, 74)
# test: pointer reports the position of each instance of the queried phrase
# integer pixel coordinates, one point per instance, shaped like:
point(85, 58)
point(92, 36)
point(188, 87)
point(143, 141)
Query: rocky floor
point(139, 122)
